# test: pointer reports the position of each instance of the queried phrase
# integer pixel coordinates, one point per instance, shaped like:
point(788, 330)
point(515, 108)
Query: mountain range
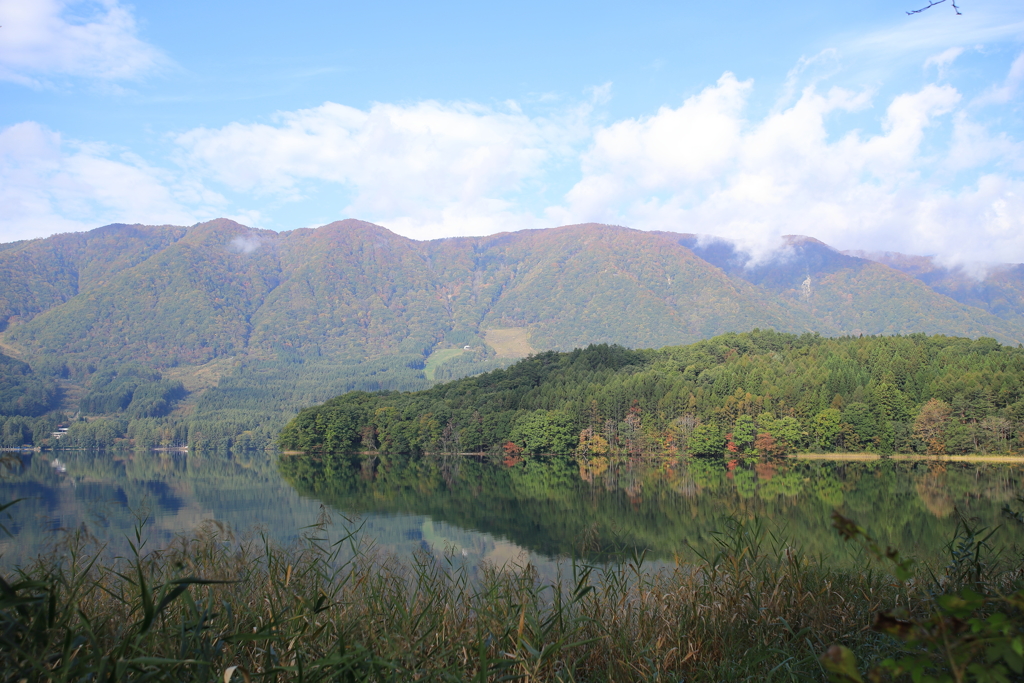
point(255, 324)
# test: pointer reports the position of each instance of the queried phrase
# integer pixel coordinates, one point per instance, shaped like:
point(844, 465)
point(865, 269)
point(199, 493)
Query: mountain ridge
point(236, 289)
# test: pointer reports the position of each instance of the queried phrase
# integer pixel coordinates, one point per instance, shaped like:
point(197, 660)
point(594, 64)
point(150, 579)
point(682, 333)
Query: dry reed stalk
point(339, 610)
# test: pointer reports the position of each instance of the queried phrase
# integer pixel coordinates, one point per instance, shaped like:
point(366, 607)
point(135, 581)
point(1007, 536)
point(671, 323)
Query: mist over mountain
point(865, 293)
point(997, 288)
point(230, 329)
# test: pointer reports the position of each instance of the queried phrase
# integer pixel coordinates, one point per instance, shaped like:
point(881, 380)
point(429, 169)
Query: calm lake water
point(539, 510)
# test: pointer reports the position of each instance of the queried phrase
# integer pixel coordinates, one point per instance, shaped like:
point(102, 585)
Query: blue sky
point(850, 122)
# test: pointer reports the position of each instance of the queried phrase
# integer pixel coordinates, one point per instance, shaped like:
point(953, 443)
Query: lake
point(475, 511)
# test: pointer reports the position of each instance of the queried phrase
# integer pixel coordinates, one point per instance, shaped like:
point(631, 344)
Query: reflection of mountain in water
point(556, 507)
point(104, 494)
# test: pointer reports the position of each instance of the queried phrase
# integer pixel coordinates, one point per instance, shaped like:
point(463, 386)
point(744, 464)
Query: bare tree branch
point(933, 3)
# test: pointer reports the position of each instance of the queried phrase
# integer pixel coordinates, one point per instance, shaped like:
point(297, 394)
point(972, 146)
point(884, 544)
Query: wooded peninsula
point(757, 393)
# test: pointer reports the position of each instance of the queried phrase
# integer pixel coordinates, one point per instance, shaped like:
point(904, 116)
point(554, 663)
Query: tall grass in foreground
point(211, 607)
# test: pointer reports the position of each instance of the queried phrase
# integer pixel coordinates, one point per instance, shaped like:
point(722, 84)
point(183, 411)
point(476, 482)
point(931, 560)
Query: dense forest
point(758, 393)
point(26, 401)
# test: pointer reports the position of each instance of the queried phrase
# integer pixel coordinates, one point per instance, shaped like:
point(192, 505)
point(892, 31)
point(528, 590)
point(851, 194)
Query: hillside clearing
point(509, 342)
point(438, 357)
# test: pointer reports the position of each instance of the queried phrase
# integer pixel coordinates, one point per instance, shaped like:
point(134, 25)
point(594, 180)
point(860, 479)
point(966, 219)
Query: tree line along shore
point(758, 393)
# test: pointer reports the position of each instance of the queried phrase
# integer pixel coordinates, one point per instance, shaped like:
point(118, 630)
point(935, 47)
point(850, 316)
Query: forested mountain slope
point(996, 288)
point(592, 283)
point(37, 275)
point(352, 290)
point(188, 303)
point(854, 295)
point(256, 324)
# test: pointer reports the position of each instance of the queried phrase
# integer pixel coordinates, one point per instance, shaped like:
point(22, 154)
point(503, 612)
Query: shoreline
point(911, 457)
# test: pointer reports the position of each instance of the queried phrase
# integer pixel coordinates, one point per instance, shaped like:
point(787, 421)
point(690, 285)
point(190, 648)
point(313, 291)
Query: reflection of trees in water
point(549, 504)
point(368, 468)
point(592, 467)
point(932, 489)
point(448, 465)
point(632, 482)
point(765, 470)
point(682, 483)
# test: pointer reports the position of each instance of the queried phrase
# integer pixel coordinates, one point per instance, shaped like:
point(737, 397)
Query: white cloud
point(670, 150)
point(1003, 93)
point(601, 94)
point(703, 168)
point(943, 60)
point(245, 245)
point(808, 72)
point(974, 146)
point(93, 39)
point(50, 185)
point(423, 169)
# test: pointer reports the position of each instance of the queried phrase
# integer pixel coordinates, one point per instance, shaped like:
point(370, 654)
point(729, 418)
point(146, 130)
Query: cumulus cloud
point(92, 38)
point(973, 145)
point(704, 168)
point(49, 185)
point(423, 168)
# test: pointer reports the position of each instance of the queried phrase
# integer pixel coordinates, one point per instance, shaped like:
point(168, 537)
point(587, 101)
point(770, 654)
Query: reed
point(214, 607)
